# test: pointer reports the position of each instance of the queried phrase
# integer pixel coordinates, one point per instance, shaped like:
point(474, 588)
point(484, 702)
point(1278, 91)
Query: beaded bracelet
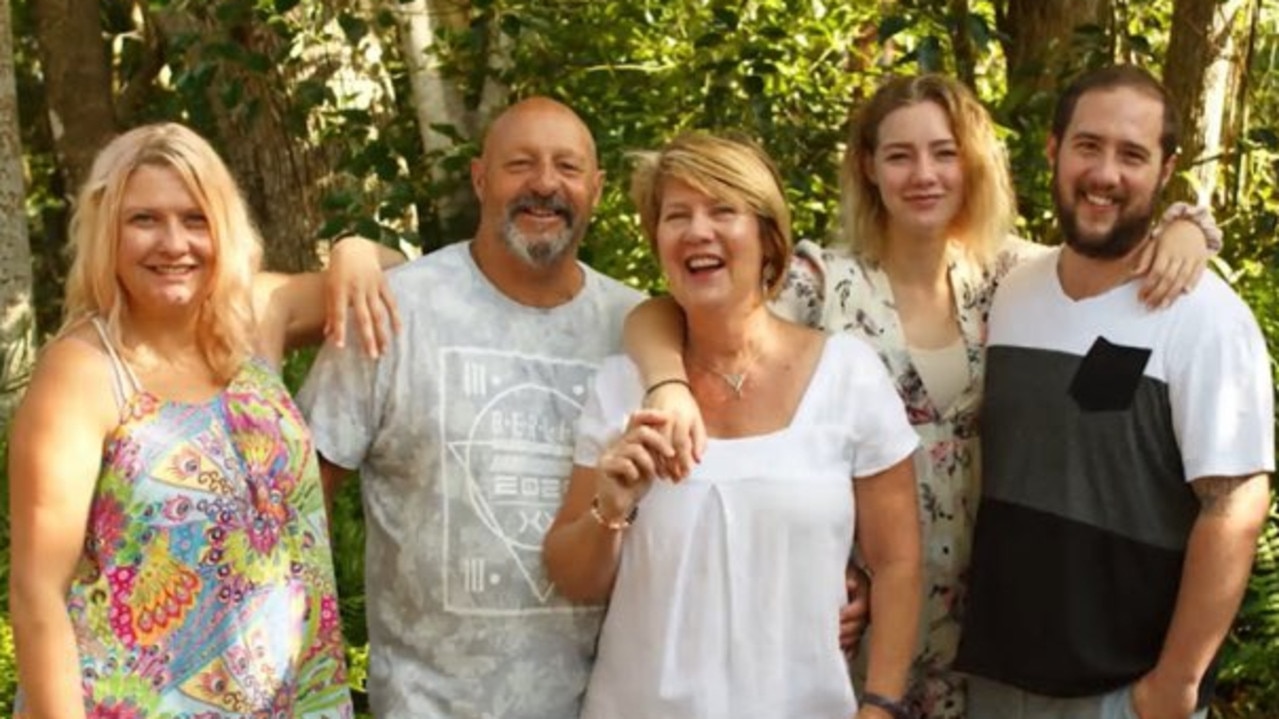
point(1199, 216)
point(613, 525)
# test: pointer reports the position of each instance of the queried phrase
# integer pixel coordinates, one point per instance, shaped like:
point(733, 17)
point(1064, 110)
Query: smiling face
point(164, 258)
point(537, 181)
point(1108, 169)
point(710, 249)
point(917, 169)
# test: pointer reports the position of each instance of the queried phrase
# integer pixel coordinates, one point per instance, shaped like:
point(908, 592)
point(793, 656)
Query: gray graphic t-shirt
point(463, 436)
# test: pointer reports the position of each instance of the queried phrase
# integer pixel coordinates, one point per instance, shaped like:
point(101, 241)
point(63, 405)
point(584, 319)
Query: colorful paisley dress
point(206, 587)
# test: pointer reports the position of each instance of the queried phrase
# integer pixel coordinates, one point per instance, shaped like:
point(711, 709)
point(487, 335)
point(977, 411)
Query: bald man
point(462, 434)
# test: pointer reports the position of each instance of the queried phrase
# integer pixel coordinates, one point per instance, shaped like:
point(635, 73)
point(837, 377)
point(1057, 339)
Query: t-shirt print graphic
point(508, 421)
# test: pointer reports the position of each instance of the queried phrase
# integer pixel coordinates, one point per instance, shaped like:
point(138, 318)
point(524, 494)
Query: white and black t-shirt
point(1097, 415)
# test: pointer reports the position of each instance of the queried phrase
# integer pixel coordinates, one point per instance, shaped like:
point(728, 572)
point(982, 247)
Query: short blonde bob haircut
point(986, 212)
point(733, 170)
point(225, 322)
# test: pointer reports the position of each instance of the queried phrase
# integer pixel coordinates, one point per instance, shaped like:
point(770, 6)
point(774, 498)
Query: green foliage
point(382, 188)
point(780, 73)
point(296, 365)
point(1249, 189)
point(8, 667)
point(45, 193)
point(357, 659)
point(347, 533)
point(1251, 653)
point(1249, 681)
point(10, 385)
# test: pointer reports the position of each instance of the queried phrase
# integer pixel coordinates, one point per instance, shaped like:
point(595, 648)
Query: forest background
point(361, 115)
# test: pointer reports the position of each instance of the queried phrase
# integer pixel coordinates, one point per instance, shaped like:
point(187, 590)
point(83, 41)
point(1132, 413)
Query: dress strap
point(125, 382)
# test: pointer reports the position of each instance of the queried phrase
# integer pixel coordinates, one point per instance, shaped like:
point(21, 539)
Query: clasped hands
point(628, 466)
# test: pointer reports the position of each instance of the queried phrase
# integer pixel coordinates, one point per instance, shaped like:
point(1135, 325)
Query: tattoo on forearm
point(1216, 494)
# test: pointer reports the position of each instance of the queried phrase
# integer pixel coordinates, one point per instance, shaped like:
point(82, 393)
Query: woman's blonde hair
point(733, 170)
point(985, 214)
point(224, 323)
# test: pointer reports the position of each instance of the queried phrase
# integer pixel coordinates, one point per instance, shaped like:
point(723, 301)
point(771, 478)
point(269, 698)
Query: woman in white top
point(725, 588)
point(927, 203)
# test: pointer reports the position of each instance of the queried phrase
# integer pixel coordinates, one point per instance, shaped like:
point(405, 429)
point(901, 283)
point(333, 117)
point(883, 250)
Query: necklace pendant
point(735, 381)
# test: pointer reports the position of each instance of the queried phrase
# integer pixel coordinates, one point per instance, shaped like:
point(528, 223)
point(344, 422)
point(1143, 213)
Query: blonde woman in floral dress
point(170, 553)
point(927, 203)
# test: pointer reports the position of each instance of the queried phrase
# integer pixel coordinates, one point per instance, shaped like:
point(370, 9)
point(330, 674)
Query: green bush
point(8, 667)
point(1249, 679)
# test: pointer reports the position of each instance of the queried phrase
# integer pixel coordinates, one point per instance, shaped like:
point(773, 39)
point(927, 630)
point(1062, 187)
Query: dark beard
point(1127, 233)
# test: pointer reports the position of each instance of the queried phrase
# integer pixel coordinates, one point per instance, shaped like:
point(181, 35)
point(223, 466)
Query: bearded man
point(1124, 450)
point(462, 433)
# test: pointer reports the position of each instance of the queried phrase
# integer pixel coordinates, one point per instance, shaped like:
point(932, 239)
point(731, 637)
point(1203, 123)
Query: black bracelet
point(894, 708)
point(673, 380)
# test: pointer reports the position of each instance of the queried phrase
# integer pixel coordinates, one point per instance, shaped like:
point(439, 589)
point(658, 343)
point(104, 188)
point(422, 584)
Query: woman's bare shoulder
point(73, 370)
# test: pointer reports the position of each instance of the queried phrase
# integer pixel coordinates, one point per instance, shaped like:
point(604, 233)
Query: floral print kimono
point(838, 292)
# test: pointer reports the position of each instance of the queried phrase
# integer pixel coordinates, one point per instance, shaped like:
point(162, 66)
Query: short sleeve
point(883, 433)
point(803, 294)
point(592, 430)
point(1222, 394)
point(339, 402)
point(613, 395)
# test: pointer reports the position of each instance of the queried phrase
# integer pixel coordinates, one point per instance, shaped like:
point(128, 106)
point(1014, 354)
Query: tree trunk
point(76, 70)
point(77, 76)
point(438, 101)
point(1042, 50)
point(965, 53)
point(281, 174)
point(1239, 116)
point(257, 128)
point(1039, 38)
point(1207, 52)
point(17, 330)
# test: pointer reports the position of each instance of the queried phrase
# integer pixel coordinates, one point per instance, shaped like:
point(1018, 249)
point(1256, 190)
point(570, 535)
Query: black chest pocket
point(1107, 378)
